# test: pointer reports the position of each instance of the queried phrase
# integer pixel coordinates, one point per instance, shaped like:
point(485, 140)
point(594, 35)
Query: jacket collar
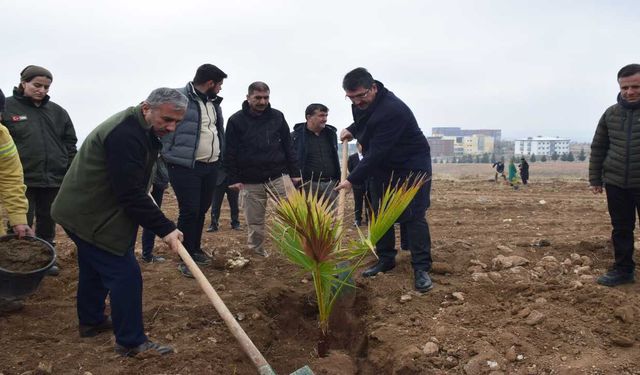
point(359, 114)
point(193, 95)
point(137, 112)
point(19, 96)
point(625, 104)
point(303, 126)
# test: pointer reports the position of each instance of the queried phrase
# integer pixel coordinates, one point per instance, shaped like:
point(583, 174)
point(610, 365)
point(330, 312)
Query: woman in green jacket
point(46, 142)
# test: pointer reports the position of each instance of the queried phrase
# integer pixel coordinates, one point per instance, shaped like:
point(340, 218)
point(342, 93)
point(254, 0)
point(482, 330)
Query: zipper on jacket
point(627, 157)
point(213, 139)
point(195, 147)
point(46, 150)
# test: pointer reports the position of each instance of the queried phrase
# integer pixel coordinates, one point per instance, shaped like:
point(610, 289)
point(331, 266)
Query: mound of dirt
point(23, 255)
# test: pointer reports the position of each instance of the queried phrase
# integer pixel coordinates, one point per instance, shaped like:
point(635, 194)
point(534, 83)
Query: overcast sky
point(527, 67)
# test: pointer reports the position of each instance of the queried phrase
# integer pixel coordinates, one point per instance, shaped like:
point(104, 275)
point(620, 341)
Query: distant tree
point(582, 155)
point(477, 159)
point(485, 158)
point(570, 156)
point(532, 158)
point(563, 157)
point(543, 158)
point(435, 160)
point(493, 158)
point(554, 156)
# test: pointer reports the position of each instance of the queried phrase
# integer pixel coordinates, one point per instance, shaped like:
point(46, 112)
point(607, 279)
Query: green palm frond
point(306, 231)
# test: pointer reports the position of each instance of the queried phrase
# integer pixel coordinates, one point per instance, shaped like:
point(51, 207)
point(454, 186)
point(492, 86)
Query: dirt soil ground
point(514, 294)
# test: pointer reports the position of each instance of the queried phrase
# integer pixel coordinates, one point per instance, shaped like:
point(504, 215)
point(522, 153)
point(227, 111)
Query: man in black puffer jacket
point(615, 163)
point(258, 156)
point(193, 156)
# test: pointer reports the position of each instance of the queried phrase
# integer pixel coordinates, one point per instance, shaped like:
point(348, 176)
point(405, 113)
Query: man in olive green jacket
point(102, 201)
point(615, 163)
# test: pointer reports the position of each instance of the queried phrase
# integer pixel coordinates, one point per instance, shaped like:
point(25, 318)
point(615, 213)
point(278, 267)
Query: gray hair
point(165, 95)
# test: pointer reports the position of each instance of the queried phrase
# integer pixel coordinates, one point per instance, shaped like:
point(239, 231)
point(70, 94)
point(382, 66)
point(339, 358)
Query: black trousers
point(148, 237)
point(623, 205)
point(101, 273)
point(194, 192)
point(232, 199)
point(360, 198)
point(416, 229)
point(40, 200)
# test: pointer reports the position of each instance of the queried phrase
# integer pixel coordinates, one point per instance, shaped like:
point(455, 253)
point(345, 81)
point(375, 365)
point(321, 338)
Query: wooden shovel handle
point(245, 342)
point(343, 176)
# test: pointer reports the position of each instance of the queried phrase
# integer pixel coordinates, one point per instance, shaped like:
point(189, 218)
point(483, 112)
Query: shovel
point(245, 342)
point(341, 203)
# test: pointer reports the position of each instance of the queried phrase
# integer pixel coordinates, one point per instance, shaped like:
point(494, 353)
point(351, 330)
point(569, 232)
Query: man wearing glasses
point(393, 147)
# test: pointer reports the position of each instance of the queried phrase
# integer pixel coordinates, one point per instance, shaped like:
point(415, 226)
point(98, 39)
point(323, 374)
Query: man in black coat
point(524, 170)
point(259, 158)
point(393, 146)
point(316, 146)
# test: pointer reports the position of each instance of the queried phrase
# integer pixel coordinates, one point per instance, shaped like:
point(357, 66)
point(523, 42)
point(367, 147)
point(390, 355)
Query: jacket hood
point(247, 111)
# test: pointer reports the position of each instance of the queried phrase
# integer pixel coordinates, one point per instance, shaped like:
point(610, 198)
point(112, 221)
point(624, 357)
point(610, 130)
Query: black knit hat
point(1, 101)
point(31, 71)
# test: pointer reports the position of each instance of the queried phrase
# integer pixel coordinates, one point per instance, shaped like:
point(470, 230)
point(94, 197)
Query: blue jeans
point(148, 237)
point(194, 192)
point(102, 273)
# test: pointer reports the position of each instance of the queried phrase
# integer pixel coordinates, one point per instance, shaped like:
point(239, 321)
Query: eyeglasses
point(358, 96)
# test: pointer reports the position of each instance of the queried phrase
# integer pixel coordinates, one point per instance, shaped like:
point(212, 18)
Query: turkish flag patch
point(17, 118)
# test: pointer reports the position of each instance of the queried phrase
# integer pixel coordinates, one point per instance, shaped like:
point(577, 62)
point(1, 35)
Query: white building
point(541, 146)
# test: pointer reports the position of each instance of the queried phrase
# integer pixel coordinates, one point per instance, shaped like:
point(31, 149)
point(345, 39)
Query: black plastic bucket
point(21, 284)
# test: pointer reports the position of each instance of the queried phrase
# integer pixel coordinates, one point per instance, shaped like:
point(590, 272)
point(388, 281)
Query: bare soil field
point(514, 294)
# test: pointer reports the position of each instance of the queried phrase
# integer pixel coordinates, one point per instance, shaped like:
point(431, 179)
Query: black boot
point(147, 346)
point(91, 331)
point(381, 266)
point(422, 281)
point(616, 277)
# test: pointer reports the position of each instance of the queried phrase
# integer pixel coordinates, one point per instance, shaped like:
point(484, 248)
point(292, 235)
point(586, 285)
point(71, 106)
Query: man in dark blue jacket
point(393, 146)
point(316, 145)
point(193, 154)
